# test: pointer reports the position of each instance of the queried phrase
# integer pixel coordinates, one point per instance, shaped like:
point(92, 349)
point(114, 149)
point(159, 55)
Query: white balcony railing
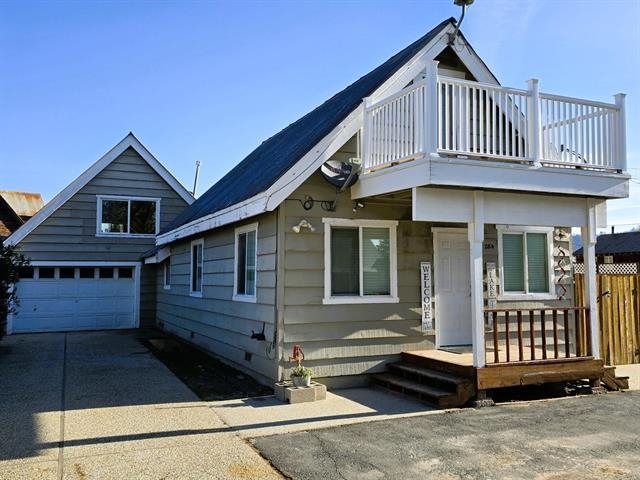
point(492, 122)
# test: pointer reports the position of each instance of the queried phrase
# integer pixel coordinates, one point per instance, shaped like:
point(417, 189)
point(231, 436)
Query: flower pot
point(301, 381)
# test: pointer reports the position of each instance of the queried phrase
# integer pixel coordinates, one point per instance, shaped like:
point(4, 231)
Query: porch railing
point(488, 121)
point(519, 335)
point(484, 120)
point(395, 128)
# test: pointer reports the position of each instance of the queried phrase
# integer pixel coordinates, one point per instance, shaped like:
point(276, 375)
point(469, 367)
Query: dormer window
point(128, 216)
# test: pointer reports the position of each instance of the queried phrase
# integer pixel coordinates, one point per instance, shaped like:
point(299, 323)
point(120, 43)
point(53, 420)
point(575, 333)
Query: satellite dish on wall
point(341, 174)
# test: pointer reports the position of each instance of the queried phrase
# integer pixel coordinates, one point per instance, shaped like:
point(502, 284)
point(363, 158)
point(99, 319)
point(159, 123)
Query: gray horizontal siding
point(216, 322)
point(349, 340)
point(69, 234)
point(148, 296)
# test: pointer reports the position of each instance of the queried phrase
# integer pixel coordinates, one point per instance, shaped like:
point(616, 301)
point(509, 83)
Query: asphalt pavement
point(590, 437)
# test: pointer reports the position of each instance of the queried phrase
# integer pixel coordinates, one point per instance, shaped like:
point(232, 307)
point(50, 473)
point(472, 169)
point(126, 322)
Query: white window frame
point(128, 199)
point(238, 297)
point(392, 225)
point(166, 268)
point(196, 293)
point(526, 295)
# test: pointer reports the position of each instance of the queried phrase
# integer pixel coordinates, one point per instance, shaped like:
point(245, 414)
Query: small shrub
point(11, 261)
point(300, 371)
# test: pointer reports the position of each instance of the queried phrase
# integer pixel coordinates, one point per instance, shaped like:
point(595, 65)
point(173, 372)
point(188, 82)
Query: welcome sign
point(425, 281)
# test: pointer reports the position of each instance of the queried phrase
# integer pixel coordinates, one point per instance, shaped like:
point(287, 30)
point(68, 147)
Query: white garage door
point(54, 299)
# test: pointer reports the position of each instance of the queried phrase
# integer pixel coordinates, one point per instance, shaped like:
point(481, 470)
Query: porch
point(513, 374)
point(522, 347)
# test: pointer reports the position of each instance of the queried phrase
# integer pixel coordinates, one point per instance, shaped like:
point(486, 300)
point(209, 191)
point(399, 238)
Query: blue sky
point(210, 81)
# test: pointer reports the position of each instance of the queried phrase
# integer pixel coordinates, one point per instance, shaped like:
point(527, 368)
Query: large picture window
point(360, 261)
point(245, 263)
point(526, 261)
point(197, 267)
point(128, 216)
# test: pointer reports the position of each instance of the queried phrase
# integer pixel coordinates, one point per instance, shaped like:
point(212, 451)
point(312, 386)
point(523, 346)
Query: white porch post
point(621, 139)
point(431, 109)
point(366, 134)
point(589, 252)
point(475, 232)
point(533, 119)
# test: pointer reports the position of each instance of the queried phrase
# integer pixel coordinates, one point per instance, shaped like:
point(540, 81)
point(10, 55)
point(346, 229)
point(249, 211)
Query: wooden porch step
point(465, 371)
point(613, 382)
point(438, 396)
point(445, 380)
point(462, 387)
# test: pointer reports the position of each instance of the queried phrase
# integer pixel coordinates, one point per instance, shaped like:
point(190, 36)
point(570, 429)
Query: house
point(616, 253)
point(16, 208)
point(414, 229)
point(85, 245)
point(450, 252)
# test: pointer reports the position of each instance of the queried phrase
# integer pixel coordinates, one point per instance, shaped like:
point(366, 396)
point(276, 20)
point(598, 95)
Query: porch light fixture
point(358, 205)
point(464, 4)
point(304, 223)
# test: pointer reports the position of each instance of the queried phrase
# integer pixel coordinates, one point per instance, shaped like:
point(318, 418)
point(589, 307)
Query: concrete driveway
point(582, 438)
point(99, 405)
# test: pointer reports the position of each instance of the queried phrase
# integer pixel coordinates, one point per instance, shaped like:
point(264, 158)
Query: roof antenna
point(464, 4)
point(195, 180)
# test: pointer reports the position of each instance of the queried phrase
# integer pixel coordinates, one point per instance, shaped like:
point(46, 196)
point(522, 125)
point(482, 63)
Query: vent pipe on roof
point(464, 4)
point(195, 180)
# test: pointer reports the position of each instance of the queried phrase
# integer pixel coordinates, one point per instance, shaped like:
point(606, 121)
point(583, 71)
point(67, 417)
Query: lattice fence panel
point(611, 268)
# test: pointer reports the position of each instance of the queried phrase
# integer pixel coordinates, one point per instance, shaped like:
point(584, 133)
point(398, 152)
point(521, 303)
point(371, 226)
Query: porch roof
point(262, 167)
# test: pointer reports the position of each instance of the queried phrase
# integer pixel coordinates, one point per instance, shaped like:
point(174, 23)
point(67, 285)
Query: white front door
point(452, 288)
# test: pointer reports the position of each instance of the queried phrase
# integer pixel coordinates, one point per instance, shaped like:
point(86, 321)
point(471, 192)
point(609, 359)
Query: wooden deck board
point(463, 359)
point(506, 375)
point(521, 373)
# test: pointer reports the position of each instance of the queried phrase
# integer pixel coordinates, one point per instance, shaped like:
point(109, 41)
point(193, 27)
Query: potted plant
point(301, 376)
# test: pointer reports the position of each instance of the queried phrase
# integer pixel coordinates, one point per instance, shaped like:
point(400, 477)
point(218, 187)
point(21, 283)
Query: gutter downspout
point(279, 307)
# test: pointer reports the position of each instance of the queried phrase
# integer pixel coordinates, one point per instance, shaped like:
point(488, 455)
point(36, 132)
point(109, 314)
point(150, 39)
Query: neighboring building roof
point(10, 221)
point(616, 243)
point(25, 204)
point(262, 167)
point(130, 141)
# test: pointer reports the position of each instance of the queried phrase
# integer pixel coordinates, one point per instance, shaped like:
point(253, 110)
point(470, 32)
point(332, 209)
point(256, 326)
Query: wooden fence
point(618, 315)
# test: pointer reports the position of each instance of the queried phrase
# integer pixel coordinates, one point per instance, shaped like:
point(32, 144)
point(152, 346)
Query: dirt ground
point(205, 375)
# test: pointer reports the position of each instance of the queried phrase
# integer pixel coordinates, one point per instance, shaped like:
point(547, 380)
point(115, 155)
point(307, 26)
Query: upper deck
point(483, 135)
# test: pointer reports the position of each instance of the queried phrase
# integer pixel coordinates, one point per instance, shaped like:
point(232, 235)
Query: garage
point(70, 298)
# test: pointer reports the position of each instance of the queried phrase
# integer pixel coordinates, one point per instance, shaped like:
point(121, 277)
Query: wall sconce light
point(302, 224)
point(357, 206)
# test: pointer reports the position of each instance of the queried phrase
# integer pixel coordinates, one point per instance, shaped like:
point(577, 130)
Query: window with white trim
point(197, 267)
point(166, 273)
point(128, 216)
point(360, 261)
point(246, 259)
point(526, 259)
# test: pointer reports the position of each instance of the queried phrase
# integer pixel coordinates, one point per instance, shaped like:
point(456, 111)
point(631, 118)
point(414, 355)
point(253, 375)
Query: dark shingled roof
point(613, 243)
point(262, 167)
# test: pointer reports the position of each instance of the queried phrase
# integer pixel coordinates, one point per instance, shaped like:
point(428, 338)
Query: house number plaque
point(427, 314)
